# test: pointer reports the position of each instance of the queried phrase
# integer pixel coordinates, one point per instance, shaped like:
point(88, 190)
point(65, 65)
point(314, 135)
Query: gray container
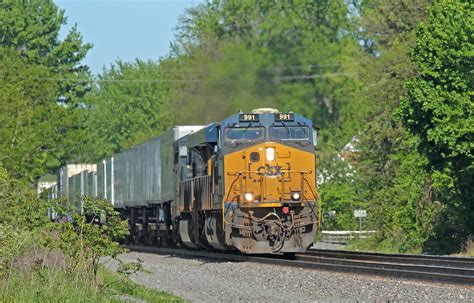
point(109, 189)
point(137, 175)
point(101, 180)
point(104, 188)
point(142, 175)
point(167, 164)
point(118, 182)
point(91, 189)
point(69, 170)
point(74, 190)
point(153, 168)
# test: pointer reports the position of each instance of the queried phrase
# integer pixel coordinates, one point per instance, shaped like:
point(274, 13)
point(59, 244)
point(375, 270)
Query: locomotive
point(247, 182)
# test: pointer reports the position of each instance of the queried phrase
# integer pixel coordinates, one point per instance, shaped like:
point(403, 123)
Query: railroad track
point(436, 269)
point(442, 269)
point(443, 261)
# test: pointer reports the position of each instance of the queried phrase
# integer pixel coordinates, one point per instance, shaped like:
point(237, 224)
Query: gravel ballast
point(202, 280)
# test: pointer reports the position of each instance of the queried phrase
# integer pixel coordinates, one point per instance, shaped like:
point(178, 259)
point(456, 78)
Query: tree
point(388, 173)
point(128, 106)
point(23, 215)
point(292, 54)
point(92, 233)
point(32, 122)
point(42, 83)
point(227, 79)
point(31, 28)
point(438, 110)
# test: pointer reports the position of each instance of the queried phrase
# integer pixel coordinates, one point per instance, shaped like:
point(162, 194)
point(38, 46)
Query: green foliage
point(30, 118)
point(59, 261)
point(31, 28)
point(40, 89)
point(292, 58)
point(129, 111)
point(439, 106)
point(90, 235)
point(81, 240)
point(21, 208)
point(339, 194)
point(228, 77)
point(403, 211)
point(119, 283)
point(439, 111)
point(50, 285)
point(292, 55)
point(56, 285)
point(389, 174)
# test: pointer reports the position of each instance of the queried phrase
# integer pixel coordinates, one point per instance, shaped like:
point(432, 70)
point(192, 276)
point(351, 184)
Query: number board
point(284, 117)
point(249, 118)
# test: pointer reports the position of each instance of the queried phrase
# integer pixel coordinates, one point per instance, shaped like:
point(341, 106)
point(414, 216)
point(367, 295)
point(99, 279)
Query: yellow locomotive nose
point(271, 190)
point(269, 174)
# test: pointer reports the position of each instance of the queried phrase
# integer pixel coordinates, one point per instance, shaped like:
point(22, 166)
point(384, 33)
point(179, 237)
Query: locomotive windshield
point(289, 133)
point(244, 134)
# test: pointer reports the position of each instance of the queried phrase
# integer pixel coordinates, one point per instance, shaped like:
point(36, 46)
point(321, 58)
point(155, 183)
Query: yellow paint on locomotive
point(270, 183)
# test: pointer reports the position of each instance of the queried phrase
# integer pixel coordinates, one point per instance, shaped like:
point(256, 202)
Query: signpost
point(360, 213)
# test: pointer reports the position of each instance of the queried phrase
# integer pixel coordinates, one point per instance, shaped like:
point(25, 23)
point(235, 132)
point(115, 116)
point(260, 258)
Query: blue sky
point(124, 29)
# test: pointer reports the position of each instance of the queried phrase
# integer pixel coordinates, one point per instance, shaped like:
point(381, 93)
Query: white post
point(105, 178)
point(112, 193)
point(95, 194)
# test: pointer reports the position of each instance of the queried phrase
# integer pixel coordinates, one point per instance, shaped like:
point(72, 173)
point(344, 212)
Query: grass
point(121, 285)
point(467, 249)
point(372, 244)
point(57, 285)
point(49, 285)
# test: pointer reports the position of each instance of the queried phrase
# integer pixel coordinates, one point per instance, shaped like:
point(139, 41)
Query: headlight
point(295, 196)
point(249, 197)
point(270, 154)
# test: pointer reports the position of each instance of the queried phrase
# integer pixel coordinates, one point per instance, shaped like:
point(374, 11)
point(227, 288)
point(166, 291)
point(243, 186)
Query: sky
point(124, 29)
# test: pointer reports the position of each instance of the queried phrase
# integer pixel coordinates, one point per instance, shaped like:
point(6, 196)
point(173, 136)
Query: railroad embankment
point(205, 280)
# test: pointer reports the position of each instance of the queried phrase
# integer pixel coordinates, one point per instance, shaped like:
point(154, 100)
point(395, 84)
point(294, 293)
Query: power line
point(277, 68)
point(113, 80)
point(147, 81)
point(294, 77)
point(307, 77)
point(173, 70)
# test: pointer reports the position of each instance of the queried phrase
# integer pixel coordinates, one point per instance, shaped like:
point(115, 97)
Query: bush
point(49, 261)
point(89, 235)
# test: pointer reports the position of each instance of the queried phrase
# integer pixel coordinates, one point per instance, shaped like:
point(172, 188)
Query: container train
point(247, 183)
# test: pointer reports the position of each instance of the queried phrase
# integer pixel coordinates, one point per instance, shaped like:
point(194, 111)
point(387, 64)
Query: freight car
point(245, 183)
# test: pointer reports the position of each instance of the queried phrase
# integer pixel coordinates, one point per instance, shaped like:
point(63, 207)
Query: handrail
point(315, 194)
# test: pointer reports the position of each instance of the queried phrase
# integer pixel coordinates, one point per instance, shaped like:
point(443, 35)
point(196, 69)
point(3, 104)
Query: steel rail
point(444, 261)
point(456, 275)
